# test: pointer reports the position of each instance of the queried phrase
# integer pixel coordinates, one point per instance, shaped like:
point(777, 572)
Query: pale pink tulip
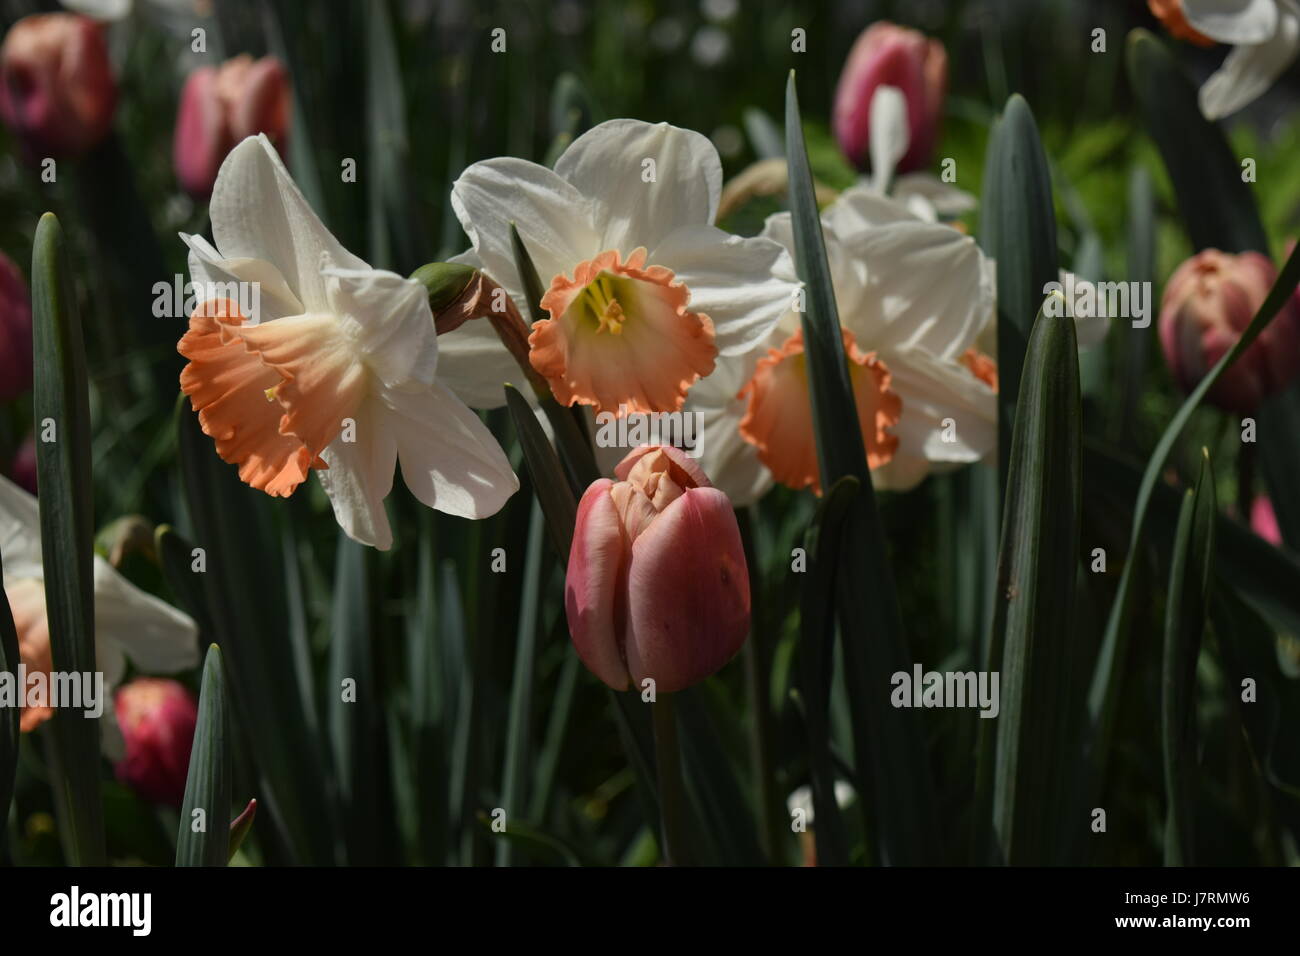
point(657, 585)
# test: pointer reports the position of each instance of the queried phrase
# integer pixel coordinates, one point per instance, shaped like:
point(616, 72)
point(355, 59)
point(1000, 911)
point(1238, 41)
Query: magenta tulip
point(219, 108)
point(1208, 302)
point(57, 92)
point(889, 55)
point(657, 585)
point(157, 717)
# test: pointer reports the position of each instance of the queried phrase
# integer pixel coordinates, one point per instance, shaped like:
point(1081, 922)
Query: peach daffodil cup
point(643, 293)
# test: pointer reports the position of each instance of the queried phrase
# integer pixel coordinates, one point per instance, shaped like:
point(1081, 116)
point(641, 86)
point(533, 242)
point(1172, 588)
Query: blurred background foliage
point(412, 91)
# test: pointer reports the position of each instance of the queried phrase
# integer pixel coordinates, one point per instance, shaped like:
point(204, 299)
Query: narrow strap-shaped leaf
point(1186, 612)
point(61, 407)
point(354, 706)
point(230, 560)
point(1215, 203)
point(889, 746)
point(393, 236)
point(816, 653)
point(1018, 230)
point(1107, 678)
point(204, 835)
point(1033, 609)
point(519, 747)
point(554, 494)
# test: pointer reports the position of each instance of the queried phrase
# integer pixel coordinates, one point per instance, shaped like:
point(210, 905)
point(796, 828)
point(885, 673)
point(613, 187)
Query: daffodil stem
point(672, 792)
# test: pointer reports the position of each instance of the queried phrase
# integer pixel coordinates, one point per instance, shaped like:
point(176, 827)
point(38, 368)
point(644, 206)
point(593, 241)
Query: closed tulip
point(657, 585)
point(889, 55)
point(157, 717)
point(57, 92)
point(221, 107)
point(1208, 302)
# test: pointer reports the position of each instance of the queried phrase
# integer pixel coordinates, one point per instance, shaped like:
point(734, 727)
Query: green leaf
point(61, 401)
point(519, 745)
point(207, 786)
point(1034, 604)
point(393, 237)
point(1216, 205)
point(554, 493)
point(354, 711)
point(426, 651)
point(1185, 616)
point(816, 655)
point(240, 582)
point(1107, 679)
point(1018, 230)
point(889, 745)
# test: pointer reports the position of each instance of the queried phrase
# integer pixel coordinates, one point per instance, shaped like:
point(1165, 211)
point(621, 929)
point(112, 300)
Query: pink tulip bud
point(889, 55)
point(15, 332)
point(1209, 301)
point(1263, 521)
point(157, 717)
point(57, 92)
point(657, 585)
point(219, 108)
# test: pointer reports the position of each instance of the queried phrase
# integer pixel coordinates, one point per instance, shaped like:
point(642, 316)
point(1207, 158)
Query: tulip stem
point(672, 792)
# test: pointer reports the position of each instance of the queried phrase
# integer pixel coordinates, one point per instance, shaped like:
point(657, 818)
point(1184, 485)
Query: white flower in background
point(644, 294)
point(335, 373)
point(925, 195)
point(1265, 38)
point(912, 297)
point(129, 624)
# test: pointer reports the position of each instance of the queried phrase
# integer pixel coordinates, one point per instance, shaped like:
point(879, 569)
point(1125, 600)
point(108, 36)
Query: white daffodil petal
point(360, 476)
point(743, 285)
point(648, 180)
point(156, 637)
point(554, 220)
point(258, 212)
point(926, 287)
point(889, 134)
point(1249, 70)
point(731, 462)
point(219, 278)
point(848, 276)
point(476, 366)
point(20, 533)
point(1233, 21)
point(393, 324)
point(450, 461)
point(945, 200)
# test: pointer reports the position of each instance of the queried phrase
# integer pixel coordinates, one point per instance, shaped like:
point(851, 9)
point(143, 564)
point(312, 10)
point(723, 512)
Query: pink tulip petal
point(688, 593)
point(594, 585)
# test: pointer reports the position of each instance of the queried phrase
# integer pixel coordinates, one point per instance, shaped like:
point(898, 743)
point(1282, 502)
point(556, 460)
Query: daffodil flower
point(913, 296)
point(1265, 38)
point(644, 293)
point(336, 372)
point(129, 624)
